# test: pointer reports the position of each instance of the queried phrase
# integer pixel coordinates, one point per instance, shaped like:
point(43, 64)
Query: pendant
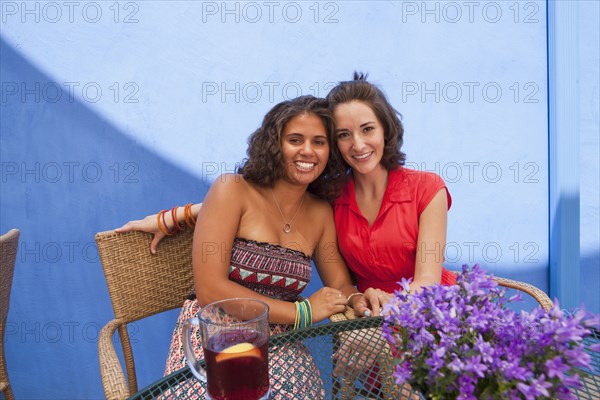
point(287, 228)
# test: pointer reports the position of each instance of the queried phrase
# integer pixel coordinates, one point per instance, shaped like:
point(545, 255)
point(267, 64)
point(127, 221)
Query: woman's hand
point(325, 302)
point(360, 305)
point(148, 224)
point(375, 298)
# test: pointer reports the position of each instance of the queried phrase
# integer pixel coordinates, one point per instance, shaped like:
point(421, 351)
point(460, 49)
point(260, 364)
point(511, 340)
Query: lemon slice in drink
point(238, 348)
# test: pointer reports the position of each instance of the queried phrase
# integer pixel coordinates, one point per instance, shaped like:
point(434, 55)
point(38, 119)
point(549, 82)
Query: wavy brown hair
point(265, 164)
point(359, 89)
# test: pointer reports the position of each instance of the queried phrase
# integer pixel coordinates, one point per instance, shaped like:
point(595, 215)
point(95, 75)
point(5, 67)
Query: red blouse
point(381, 255)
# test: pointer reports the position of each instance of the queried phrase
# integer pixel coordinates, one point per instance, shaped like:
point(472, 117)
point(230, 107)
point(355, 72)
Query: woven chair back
point(142, 284)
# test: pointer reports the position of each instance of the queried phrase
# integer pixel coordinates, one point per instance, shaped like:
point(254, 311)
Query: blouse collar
point(397, 190)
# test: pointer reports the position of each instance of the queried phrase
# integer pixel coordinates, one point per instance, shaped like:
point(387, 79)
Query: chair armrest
point(347, 315)
point(540, 296)
point(111, 372)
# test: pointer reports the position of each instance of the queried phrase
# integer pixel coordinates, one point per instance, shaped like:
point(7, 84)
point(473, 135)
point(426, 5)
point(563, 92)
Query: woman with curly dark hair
point(257, 232)
point(263, 166)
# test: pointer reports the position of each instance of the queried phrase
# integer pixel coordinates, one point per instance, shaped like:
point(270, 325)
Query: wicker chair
point(385, 360)
point(8, 254)
point(140, 285)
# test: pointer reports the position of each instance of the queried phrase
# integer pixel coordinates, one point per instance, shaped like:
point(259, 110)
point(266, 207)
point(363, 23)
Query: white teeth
point(363, 156)
point(305, 165)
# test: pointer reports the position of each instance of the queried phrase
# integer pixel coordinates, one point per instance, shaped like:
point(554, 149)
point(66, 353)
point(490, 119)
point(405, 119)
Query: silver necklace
point(287, 227)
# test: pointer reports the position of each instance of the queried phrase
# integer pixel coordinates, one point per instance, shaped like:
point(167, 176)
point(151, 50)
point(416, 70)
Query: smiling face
point(305, 148)
point(359, 136)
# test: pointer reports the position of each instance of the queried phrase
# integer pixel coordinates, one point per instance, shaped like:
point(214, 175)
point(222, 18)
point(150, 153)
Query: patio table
point(322, 341)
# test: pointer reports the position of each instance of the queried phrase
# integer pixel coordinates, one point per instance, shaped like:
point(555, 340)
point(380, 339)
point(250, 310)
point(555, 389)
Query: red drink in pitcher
point(237, 365)
point(235, 340)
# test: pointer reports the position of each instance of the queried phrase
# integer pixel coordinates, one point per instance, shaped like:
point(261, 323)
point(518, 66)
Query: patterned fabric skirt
point(292, 370)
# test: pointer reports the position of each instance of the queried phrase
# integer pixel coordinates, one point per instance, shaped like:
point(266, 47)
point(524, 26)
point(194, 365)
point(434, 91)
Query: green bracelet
point(303, 314)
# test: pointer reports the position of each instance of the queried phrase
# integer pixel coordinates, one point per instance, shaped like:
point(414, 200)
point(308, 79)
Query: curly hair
point(265, 164)
point(359, 89)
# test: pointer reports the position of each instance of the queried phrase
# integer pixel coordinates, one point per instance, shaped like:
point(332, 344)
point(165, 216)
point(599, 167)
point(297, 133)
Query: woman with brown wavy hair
point(390, 220)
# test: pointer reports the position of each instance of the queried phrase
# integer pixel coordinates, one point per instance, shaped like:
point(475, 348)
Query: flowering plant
point(462, 342)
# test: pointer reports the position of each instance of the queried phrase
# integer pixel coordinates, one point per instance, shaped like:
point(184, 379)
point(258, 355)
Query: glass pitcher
point(235, 340)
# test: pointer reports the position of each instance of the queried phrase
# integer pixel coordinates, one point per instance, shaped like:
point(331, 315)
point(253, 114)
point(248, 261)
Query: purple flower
point(456, 365)
point(537, 387)
point(436, 359)
point(485, 350)
point(556, 368)
point(474, 365)
point(466, 385)
point(403, 373)
point(405, 284)
point(463, 342)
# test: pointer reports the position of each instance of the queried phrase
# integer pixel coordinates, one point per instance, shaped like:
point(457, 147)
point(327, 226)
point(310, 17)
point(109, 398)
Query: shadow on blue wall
point(590, 281)
point(577, 285)
point(68, 173)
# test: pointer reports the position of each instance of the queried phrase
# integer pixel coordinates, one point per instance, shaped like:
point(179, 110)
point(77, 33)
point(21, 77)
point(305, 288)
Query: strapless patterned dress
point(277, 272)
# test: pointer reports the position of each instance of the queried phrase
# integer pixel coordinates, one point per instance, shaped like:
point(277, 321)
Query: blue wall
point(112, 111)
point(588, 70)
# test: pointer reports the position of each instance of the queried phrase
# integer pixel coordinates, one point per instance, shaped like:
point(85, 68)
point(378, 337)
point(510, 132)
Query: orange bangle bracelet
point(176, 226)
point(164, 218)
point(192, 218)
point(166, 230)
point(187, 214)
point(160, 216)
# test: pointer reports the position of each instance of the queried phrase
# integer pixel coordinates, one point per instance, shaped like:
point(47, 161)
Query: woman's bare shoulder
point(229, 189)
point(231, 183)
